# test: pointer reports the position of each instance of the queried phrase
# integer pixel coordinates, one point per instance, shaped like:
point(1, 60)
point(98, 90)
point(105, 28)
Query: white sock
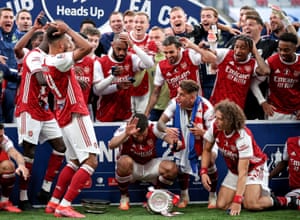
point(65, 203)
point(23, 195)
point(212, 194)
point(4, 199)
point(184, 192)
point(47, 185)
point(54, 200)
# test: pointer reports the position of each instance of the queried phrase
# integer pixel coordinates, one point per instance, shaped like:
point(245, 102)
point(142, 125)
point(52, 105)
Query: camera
point(113, 70)
point(176, 147)
point(42, 20)
point(131, 79)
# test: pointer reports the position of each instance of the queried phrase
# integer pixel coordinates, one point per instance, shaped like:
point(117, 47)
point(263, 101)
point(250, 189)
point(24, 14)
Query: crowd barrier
point(270, 136)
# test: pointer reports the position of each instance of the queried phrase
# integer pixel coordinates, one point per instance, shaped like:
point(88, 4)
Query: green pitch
point(137, 212)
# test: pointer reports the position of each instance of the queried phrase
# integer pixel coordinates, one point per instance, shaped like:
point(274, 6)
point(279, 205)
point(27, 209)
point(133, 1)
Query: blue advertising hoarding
point(74, 11)
point(271, 137)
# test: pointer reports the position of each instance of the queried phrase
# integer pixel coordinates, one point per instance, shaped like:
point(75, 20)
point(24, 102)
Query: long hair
point(233, 116)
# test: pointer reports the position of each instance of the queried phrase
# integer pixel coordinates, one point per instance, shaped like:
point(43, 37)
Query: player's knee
point(92, 161)
point(58, 145)
point(251, 204)
point(28, 149)
point(60, 148)
point(7, 166)
point(221, 204)
point(124, 165)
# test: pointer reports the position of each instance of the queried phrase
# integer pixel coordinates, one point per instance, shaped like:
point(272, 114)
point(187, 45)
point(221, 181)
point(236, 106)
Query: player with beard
point(246, 182)
point(117, 69)
point(182, 60)
point(35, 121)
point(138, 159)
point(198, 34)
point(179, 64)
point(72, 116)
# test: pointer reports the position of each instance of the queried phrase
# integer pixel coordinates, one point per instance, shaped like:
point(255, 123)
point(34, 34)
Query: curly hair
point(246, 39)
point(233, 116)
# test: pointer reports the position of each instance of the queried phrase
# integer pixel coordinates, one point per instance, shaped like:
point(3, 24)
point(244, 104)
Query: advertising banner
point(74, 11)
point(270, 136)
